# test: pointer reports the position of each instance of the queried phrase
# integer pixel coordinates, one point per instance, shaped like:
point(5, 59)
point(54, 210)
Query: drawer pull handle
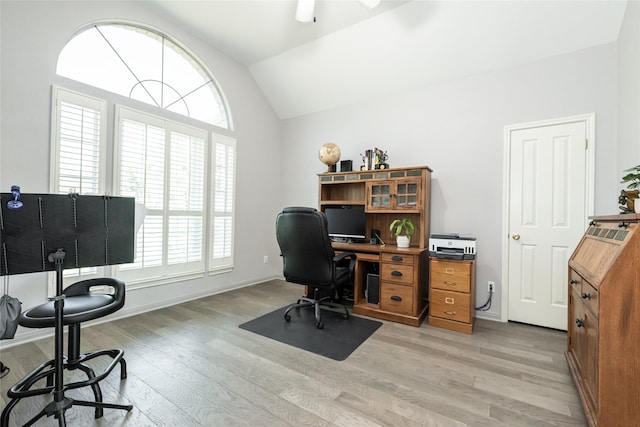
point(450, 283)
point(396, 298)
point(449, 270)
point(396, 273)
point(396, 258)
point(586, 295)
point(450, 313)
point(574, 281)
point(449, 300)
point(580, 323)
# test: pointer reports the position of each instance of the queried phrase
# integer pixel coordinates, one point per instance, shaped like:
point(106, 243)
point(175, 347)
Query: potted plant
point(403, 229)
point(632, 179)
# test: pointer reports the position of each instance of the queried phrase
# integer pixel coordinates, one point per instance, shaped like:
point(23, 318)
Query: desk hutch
point(387, 194)
point(604, 314)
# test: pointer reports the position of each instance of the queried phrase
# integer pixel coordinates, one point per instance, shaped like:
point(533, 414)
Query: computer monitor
point(346, 222)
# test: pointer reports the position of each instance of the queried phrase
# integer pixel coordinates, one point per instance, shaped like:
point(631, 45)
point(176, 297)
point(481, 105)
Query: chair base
point(60, 404)
point(318, 304)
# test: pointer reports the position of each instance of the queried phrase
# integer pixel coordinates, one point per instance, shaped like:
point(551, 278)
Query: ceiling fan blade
point(305, 10)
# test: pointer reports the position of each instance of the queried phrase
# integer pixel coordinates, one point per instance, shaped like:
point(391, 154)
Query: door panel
point(547, 211)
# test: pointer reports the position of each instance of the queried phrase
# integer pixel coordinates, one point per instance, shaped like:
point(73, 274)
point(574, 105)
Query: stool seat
point(80, 304)
point(77, 309)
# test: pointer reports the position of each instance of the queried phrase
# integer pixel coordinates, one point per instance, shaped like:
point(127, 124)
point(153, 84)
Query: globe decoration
point(329, 154)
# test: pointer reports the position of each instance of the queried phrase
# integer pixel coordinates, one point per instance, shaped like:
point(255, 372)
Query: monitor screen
point(347, 222)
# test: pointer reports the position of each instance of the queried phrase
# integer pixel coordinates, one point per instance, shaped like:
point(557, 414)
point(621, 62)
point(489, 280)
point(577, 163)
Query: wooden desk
point(404, 279)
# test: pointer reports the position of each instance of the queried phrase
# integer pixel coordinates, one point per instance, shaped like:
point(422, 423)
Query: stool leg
point(97, 392)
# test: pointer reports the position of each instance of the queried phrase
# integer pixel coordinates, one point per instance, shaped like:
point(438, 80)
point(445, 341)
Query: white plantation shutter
point(223, 203)
point(78, 152)
point(78, 143)
point(163, 165)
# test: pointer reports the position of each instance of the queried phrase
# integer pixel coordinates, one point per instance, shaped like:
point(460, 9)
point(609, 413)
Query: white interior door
point(547, 214)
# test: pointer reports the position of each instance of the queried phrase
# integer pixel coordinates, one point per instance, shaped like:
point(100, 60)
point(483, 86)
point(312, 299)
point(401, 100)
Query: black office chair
point(308, 259)
point(80, 305)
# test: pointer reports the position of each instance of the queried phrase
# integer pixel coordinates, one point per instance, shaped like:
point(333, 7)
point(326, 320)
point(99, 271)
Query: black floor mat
point(339, 338)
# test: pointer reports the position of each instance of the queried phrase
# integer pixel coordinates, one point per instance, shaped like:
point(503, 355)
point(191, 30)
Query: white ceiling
point(352, 54)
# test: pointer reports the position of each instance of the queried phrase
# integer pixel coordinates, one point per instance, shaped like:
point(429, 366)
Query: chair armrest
point(344, 255)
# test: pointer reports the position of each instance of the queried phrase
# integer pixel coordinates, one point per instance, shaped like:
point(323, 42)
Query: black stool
point(80, 305)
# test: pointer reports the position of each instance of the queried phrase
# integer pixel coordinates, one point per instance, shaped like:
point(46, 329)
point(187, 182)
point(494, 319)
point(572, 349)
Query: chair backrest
point(305, 246)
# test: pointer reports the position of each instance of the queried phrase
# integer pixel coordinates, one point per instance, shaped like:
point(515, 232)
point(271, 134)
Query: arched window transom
point(146, 66)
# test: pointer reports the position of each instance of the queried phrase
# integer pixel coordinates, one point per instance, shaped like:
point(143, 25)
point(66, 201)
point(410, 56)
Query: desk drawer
point(450, 275)
point(397, 258)
point(450, 305)
point(398, 273)
point(396, 298)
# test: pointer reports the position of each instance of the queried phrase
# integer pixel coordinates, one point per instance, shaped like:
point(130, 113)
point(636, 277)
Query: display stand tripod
point(60, 402)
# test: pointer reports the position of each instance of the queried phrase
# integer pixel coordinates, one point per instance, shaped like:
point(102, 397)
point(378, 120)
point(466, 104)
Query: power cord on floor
point(487, 305)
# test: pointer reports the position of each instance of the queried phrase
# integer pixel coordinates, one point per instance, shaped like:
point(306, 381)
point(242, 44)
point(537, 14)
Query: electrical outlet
point(491, 286)
point(265, 259)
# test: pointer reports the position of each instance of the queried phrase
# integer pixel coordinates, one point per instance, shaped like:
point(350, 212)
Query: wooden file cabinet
point(452, 294)
point(604, 314)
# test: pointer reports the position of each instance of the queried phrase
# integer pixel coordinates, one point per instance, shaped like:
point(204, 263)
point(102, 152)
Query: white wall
point(32, 35)
point(456, 127)
point(629, 89)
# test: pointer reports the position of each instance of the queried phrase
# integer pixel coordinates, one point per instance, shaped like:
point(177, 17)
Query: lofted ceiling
point(352, 54)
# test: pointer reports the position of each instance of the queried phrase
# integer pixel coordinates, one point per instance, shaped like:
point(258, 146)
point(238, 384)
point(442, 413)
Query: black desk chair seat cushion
point(80, 305)
point(308, 259)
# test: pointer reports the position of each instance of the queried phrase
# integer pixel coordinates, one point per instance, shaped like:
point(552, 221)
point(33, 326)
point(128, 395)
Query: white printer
point(452, 246)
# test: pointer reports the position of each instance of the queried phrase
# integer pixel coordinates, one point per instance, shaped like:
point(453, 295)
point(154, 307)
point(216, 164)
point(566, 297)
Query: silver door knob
point(516, 236)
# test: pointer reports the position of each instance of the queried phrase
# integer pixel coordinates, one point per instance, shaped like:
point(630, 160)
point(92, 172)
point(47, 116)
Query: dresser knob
point(574, 281)
point(580, 323)
point(586, 295)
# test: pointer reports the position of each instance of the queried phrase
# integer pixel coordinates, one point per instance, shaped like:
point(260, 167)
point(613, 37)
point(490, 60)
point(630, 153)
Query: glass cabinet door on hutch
point(379, 195)
point(407, 195)
point(393, 195)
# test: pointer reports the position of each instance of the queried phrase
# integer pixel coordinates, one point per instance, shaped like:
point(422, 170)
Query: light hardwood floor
point(190, 365)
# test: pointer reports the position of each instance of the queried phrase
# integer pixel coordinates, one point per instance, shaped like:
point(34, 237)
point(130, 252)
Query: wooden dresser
point(452, 294)
point(604, 317)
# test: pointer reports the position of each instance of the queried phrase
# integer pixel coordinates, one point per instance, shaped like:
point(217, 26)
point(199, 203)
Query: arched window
point(143, 65)
point(183, 173)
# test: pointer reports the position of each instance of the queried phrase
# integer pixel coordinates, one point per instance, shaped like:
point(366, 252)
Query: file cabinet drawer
point(451, 305)
point(451, 275)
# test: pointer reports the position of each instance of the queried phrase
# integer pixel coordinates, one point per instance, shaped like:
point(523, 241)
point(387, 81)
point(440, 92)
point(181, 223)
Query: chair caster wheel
point(320, 325)
point(287, 317)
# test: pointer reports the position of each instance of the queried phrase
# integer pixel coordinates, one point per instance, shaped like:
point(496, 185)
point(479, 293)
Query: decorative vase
point(402, 241)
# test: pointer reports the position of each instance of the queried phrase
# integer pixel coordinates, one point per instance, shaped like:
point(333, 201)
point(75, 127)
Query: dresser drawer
point(396, 298)
point(398, 273)
point(451, 275)
point(450, 305)
point(397, 258)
